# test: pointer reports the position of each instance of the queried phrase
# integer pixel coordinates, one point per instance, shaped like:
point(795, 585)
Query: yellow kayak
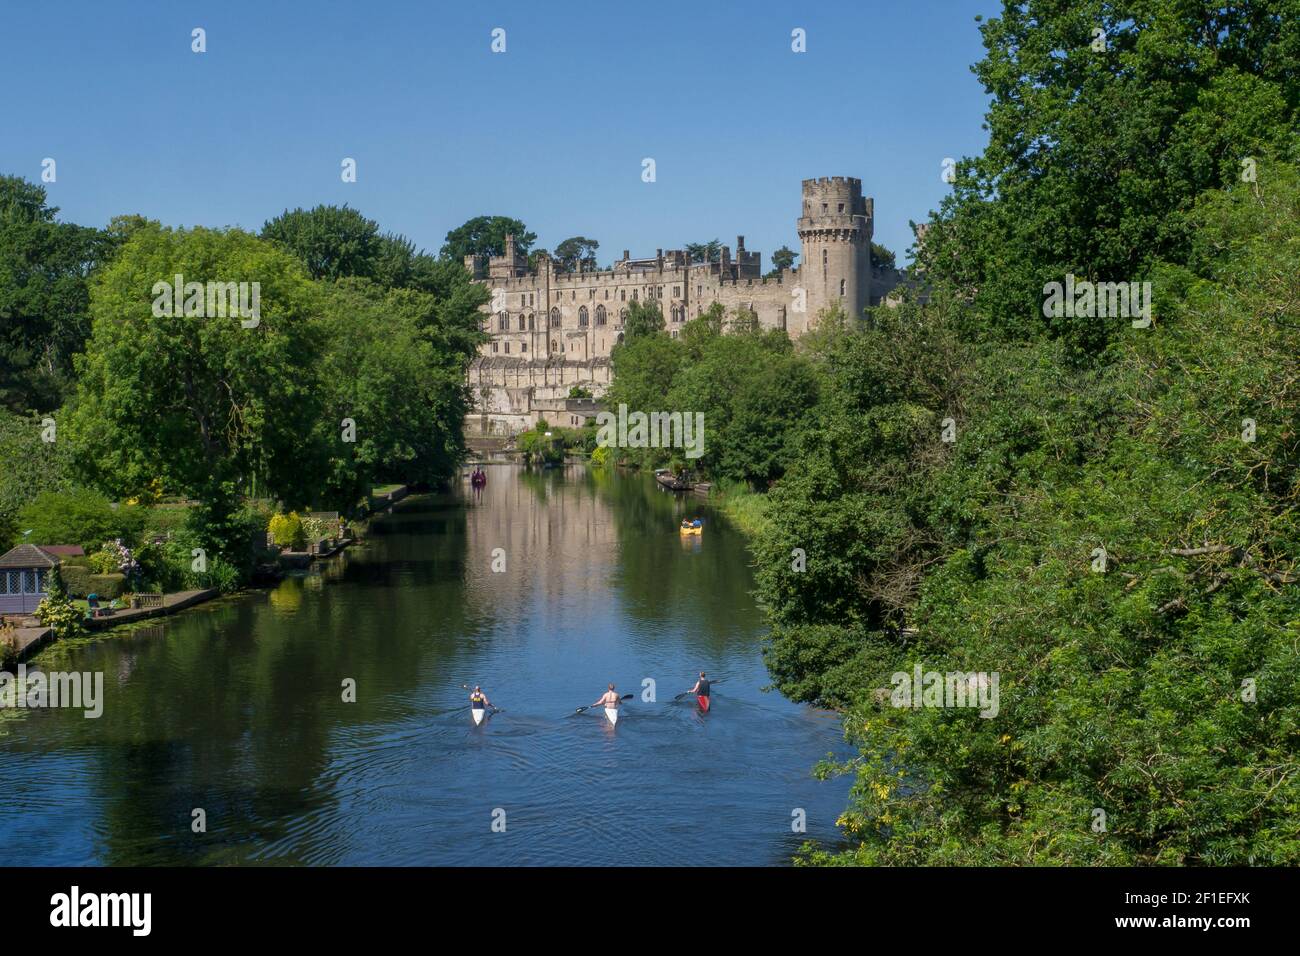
point(698, 529)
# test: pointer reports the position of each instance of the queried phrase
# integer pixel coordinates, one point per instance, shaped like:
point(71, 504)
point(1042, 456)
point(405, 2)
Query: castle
point(552, 329)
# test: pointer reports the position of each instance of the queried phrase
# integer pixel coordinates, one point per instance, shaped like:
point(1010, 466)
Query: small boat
point(695, 527)
point(479, 714)
point(611, 714)
point(703, 702)
point(670, 481)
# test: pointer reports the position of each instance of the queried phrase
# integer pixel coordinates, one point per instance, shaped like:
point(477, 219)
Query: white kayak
point(479, 713)
point(611, 714)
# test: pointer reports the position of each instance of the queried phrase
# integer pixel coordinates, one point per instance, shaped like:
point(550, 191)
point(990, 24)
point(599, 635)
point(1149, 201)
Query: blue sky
point(553, 131)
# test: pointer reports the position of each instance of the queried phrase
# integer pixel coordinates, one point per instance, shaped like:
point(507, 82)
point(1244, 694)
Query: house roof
point(28, 556)
point(63, 550)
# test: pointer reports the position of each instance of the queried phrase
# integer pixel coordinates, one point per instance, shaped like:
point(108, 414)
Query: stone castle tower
point(552, 328)
point(836, 229)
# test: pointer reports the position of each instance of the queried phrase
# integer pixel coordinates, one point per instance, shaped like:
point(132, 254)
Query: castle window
point(555, 318)
point(620, 338)
point(824, 207)
point(607, 294)
point(600, 315)
point(530, 321)
point(677, 292)
point(622, 320)
point(582, 317)
point(503, 322)
point(622, 295)
point(523, 300)
point(591, 294)
point(823, 258)
point(842, 282)
point(530, 298)
point(521, 323)
point(841, 209)
point(573, 296)
point(523, 346)
point(634, 291)
point(554, 346)
point(699, 290)
point(507, 348)
point(494, 346)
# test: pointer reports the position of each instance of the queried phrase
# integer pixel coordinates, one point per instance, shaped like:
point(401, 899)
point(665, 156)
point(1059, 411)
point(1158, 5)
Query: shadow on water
point(544, 589)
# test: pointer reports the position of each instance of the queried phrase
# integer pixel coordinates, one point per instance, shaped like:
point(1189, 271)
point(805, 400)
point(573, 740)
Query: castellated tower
point(835, 229)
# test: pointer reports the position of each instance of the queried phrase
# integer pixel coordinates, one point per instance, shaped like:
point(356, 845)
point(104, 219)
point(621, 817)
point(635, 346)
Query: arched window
point(530, 321)
point(521, 322)
point(504, 322)
point(620, 337)
point(582, 317)
point(600, 315)
point(842, 281)
point(555, 318)
point(622, 317)
point(555, 346)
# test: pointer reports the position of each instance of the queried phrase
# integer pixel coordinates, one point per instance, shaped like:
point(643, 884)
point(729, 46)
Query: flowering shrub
point(287, 531)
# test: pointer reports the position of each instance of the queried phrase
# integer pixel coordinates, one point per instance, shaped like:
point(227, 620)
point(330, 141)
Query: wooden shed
point(24, 573)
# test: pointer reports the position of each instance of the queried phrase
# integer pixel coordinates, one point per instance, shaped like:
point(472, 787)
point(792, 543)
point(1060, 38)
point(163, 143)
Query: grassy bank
point(745, 508)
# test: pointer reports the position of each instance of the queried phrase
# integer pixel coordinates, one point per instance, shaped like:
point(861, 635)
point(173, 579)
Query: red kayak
point(703, 702)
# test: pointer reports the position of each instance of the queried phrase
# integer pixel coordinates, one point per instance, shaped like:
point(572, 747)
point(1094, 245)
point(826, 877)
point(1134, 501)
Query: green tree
point(486, 236)
point(881, 257)
point(205, 403)
point(1096, 156)
point(643, 318)
point(710, 251)
point(571, 251)
point(782, 259)
point(44, 300)
point(335, 241)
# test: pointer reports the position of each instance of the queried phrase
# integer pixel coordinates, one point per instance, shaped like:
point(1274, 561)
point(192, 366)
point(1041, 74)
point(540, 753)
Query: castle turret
point(835, 229)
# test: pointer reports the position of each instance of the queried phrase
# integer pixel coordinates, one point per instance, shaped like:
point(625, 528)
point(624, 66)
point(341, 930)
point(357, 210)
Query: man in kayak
point(477, 699)
point(701, 691)
point(610, 699)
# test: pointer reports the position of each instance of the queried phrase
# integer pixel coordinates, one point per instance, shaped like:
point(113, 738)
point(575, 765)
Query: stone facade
point(552, 329)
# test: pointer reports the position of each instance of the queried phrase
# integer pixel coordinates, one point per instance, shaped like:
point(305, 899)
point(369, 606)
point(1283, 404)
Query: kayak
point(479, 713)
point(611, 714)
point(703, 702)
point(694, 530)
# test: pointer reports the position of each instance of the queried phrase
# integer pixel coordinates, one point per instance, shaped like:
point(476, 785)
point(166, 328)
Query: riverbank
point(748, 510)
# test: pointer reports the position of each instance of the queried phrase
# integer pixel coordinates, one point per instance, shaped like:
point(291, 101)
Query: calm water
point(235, 707)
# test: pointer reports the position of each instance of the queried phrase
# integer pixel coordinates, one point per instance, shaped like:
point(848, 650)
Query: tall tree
point(198, 400)
point(1107, 120)
point(44, 295)
point(333, 241)
point(486, 236)
point(571, 251)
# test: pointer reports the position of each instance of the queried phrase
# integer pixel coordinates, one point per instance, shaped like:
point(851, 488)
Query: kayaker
point(477, 699)
point(701, 688)
point(609, 699)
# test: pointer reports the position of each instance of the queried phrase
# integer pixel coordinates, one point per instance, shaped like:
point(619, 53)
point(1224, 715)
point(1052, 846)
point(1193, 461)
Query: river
point(235, 708)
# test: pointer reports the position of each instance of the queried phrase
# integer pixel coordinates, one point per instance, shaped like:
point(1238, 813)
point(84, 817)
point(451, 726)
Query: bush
point(79, 516)
point(77, 578)
point(287, 531)
point(108, 585)
point(102, 562)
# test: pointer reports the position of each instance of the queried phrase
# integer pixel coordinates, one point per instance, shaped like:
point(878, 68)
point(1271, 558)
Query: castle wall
point(552, 329)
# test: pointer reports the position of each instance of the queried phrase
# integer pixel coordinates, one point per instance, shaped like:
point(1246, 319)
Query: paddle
point(711, 683)
point(589, 706)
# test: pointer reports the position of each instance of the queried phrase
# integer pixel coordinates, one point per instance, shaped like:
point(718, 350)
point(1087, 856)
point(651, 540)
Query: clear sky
point(553, 131)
